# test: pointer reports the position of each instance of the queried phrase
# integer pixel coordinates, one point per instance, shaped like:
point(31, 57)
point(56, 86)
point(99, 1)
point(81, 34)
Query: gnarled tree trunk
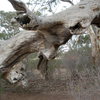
point(46, 34)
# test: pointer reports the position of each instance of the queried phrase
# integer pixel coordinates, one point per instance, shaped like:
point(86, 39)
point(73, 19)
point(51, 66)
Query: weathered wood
point(16, 47)
point(94, 33)
point(77, 18)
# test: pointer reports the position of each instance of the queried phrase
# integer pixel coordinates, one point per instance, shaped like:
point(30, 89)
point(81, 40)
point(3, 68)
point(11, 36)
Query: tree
point(46, 34)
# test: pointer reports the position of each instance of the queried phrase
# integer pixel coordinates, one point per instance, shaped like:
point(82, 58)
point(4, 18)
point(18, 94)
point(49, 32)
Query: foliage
point(47, 7)
point(76, 43)
point(7, 30)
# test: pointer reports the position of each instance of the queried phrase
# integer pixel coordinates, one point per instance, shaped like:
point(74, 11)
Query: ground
point(34, 96)
point(46, 90)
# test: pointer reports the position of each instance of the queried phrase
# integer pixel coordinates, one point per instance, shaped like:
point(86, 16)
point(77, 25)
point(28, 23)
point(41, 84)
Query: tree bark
point(94, 33)
point(26, 42)
point(77, 18)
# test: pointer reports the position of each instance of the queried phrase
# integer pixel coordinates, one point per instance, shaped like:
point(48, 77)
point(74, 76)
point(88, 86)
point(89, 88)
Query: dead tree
point(46, 34)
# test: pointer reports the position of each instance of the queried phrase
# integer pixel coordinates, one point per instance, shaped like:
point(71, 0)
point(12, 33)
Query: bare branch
point(19, 6)
point(69, 1)
point(27, 19)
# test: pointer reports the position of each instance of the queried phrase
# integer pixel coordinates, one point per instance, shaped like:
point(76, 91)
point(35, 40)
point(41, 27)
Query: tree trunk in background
point(94, 33)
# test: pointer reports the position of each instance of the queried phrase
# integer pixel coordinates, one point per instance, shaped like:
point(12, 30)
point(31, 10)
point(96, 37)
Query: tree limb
point(77, 18)
point(69, 1)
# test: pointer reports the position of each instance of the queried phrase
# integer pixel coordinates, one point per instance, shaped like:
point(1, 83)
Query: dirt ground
point(47, 90)
point(34, 96)
point(40, 89)
point(40, 96)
